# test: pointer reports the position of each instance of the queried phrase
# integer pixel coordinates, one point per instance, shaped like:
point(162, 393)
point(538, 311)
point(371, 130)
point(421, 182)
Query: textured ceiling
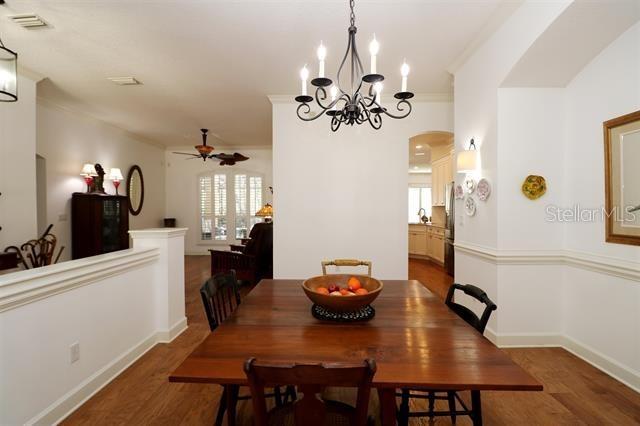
point(213, 63)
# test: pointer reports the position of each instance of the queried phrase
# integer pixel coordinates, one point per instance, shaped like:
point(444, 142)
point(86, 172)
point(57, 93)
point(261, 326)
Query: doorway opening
point(429, 206)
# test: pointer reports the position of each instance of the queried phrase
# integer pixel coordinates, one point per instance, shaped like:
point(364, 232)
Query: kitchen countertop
point(434, 225)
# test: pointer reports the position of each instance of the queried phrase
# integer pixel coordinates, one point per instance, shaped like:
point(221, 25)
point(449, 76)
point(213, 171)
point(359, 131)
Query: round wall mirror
point(135, 190)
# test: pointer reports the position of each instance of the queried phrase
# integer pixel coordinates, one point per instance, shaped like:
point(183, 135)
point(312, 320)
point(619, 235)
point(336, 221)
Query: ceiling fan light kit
point(355, 105)
point(205, 152)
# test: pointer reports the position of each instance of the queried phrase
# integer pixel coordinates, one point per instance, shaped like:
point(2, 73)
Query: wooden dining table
point(416, 340)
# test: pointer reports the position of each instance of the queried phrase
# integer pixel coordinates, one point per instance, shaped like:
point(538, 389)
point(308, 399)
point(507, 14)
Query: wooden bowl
point(341, 303)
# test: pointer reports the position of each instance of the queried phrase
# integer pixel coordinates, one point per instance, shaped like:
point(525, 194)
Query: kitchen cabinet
point(441, 175)
point(427, 241)
point(417, 240)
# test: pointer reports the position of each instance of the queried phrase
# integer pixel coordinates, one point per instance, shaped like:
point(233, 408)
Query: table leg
point(387, 397)
point(232, 400)
point(476, 408)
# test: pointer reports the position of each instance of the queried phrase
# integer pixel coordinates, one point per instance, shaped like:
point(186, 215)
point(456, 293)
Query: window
point(419, 198)
point(245, 198)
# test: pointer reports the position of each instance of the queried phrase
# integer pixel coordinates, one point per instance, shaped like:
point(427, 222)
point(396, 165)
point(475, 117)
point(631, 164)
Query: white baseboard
point(602, 362)
point(73, 399)
point(166, 336)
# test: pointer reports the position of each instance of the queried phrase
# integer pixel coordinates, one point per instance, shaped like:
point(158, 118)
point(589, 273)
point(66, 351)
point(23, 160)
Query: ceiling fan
point(205, 152)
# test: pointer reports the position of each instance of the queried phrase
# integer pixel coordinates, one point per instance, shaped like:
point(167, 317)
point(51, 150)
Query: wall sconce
point(115, 175)
point(88, 173)
point(468, 160)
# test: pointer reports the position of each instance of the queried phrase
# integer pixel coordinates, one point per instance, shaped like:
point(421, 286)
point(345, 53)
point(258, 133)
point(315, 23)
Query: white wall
point(600, 311)
point(18, 216)
point(554, 283)
point(113, 305)
point(182, 188)
point(343, 194)
point(67, 140)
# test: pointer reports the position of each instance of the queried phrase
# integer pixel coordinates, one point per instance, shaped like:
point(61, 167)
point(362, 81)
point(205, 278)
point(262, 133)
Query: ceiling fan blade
point(239, 157)
point(186, 153)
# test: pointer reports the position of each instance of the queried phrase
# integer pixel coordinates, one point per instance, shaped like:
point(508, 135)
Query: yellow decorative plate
point(534, 187)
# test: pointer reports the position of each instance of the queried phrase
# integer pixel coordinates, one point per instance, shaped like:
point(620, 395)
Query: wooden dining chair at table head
point(310, 380)
point(346, 262)
point(452, 397)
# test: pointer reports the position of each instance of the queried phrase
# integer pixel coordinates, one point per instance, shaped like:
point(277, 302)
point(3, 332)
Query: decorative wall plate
point(459, 192)
point(470, 185)
point(483, 189)
point(534, 187)
point(470, 206)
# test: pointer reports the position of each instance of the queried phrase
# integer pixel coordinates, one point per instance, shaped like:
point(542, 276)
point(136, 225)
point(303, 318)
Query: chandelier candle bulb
point(404, 70)
point(322, 54)
point(304, 75)
point(377, 88)
point(374, 48)
point(334, 94)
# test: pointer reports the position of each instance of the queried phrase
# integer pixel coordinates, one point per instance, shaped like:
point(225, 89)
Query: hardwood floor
point(575, 392)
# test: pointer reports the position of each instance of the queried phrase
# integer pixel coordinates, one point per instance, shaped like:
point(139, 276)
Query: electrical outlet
point(62, 217)
point(74, 352)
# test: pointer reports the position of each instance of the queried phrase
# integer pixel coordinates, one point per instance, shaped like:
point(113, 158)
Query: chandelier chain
point(352, 4)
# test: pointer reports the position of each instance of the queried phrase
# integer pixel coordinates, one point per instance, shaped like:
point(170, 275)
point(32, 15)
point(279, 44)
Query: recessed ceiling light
point(124, 81)
point(419, 153)
point(418, 146)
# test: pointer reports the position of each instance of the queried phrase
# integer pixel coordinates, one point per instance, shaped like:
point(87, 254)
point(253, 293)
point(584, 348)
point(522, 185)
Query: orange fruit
point(354, 284)
point(344, 291)
point(362, 291)
point(322, 290)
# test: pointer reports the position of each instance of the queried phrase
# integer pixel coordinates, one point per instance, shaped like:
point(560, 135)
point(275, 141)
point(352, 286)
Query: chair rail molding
point(583, 260)
point(23, 287)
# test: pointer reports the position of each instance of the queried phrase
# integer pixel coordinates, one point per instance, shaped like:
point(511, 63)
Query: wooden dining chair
point(452, 397)
point(220, 297)
point(311, 379)
point(346, 262)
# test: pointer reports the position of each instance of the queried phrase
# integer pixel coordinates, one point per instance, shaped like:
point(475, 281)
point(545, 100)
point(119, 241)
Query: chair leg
point(291, 392)
point(451, 397)
point(277, 396)
point(403, 413)
point(476, 408)
point(232, 400)
point(222, 407)
point(432, 401)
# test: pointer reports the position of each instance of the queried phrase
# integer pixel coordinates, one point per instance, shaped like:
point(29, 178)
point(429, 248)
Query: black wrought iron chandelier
point(357, 104)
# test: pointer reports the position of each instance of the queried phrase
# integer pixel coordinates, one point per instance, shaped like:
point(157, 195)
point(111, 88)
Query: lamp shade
point(265, 211)
point(88, 170)
point(467, 161)
point(8, 75)
point(115, 174)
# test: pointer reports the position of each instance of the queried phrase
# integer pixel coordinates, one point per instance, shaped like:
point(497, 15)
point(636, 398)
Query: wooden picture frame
point(622, 148)
point(134, 208)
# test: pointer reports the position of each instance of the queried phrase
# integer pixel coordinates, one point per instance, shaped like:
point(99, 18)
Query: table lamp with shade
point(115, 175)
point(267, 212)
point(88, 173)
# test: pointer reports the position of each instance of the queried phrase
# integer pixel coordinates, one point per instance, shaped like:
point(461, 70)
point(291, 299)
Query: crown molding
point(499, 17)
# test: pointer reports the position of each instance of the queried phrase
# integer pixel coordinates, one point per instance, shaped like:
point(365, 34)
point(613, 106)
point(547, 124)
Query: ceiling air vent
point(124, 81)
point(28, 20)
